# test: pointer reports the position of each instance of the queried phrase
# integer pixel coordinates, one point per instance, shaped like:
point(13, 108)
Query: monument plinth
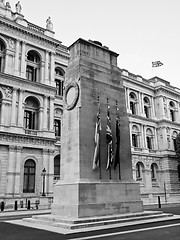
point(93, 81)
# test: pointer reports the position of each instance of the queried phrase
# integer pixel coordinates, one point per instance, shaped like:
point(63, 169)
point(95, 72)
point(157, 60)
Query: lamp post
point(43, 175)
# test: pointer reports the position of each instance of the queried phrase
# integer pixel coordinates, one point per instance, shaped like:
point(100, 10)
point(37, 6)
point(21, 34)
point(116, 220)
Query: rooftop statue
point(18, 7)
point(8, 5)
point(49, 24)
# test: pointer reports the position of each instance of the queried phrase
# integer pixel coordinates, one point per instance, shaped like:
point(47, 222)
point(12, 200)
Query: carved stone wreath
point(71, 95)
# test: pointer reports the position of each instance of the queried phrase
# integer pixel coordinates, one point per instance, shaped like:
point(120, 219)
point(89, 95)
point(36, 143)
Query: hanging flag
point(157, 64)
point(109, 141)
point(96, 158)
point(117, 158)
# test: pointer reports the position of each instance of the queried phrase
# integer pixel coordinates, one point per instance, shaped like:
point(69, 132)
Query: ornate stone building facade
point(153, 106)
point(32, 70)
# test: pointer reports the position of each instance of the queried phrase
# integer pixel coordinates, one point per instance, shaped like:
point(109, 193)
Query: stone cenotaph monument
point(93, 84)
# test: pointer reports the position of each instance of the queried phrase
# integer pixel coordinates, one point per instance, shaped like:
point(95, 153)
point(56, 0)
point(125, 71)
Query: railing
point(30, 132)
point(36, 28)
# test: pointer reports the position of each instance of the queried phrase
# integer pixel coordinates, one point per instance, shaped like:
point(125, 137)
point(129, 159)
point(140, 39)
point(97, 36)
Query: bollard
point(159, 202)
point(2, 206)
point(29, 205)
point(16, 205)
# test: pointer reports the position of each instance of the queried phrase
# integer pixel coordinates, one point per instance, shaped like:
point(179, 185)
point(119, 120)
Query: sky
point(140, 31)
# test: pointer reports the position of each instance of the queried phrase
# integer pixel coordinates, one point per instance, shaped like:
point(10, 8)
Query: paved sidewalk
point(9, 213)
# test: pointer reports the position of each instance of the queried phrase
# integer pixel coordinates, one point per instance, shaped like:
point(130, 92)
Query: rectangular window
point(31, 73)
point(57, 127)
point(134, 140)
point(149, 142)
point(59, 87)
point(132, 108)
point(29, 119)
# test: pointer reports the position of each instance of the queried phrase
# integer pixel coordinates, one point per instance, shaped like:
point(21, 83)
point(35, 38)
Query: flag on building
point(109, 141)
point(117, 158)
point(96, 158)
point(157, 64)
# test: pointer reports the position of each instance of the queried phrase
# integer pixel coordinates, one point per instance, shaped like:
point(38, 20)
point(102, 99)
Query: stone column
point(51, 114)
point(140, 104)
point(16, 66)
point(40, 118)
point(51, 172)
point(13, 108)
point(161, 105)
point(155, 139)
point(46, 166)
point(42, 72)
point(11, 171)
point(23, 60)
point(152, 108)
point(128, 104)
point(47, 68)
point(45, 113)
point(52, 68)
point(20, 108)
point(18, 170)
point(2, 111)
point(6, 70)
point(142, 136)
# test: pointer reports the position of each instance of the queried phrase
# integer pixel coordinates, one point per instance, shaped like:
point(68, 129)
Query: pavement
point(26, 230)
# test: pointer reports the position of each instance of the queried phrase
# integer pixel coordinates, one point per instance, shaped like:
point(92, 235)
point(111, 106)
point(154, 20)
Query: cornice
point(25, 33)
point(24, 84)
point(26, 140)
point(161, 90)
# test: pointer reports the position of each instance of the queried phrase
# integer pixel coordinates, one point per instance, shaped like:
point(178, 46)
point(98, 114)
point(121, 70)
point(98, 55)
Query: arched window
point(59, 80)
point(29, 176)
point(154, 172)
point(139, 171)
point(147, 107)
point(33, 66)
point(174, 136)
point(172, 111)
point(31, 113)
point(178, 168)
point(149, 139)
point(2, 56)
point(57, 167)
point(132, 103)
point(135, 133)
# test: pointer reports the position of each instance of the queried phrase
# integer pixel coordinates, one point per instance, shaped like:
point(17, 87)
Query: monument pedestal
point(83, 199)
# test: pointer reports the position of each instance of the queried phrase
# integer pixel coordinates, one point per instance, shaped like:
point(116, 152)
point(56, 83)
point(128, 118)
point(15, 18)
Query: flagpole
point(108, 144)
point(119, 167)
point(99, 152)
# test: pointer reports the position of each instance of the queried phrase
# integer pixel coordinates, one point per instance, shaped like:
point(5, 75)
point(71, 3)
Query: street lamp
point(43, 175)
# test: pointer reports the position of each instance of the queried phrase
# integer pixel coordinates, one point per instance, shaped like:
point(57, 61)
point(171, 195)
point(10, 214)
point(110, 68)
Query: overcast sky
point(141, 31)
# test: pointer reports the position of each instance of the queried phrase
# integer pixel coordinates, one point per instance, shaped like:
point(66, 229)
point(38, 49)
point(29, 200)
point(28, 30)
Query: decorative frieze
point(26, 140)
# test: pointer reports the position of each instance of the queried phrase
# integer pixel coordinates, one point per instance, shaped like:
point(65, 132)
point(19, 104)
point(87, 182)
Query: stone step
point(55, 221)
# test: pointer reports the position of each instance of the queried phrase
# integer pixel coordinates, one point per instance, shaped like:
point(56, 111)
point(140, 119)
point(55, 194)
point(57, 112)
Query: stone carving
point(58, 112)
point(49, 24)
point(18, 7)
point(7, 91)
point(11, 43)
point(8, 5)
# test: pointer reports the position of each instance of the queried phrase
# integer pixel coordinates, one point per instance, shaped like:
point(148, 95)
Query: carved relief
point(58, 112)
point(11, 43)
point(7, 91)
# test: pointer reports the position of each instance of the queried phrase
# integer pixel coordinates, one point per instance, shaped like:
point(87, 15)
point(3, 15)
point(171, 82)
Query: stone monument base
point(89, 199)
